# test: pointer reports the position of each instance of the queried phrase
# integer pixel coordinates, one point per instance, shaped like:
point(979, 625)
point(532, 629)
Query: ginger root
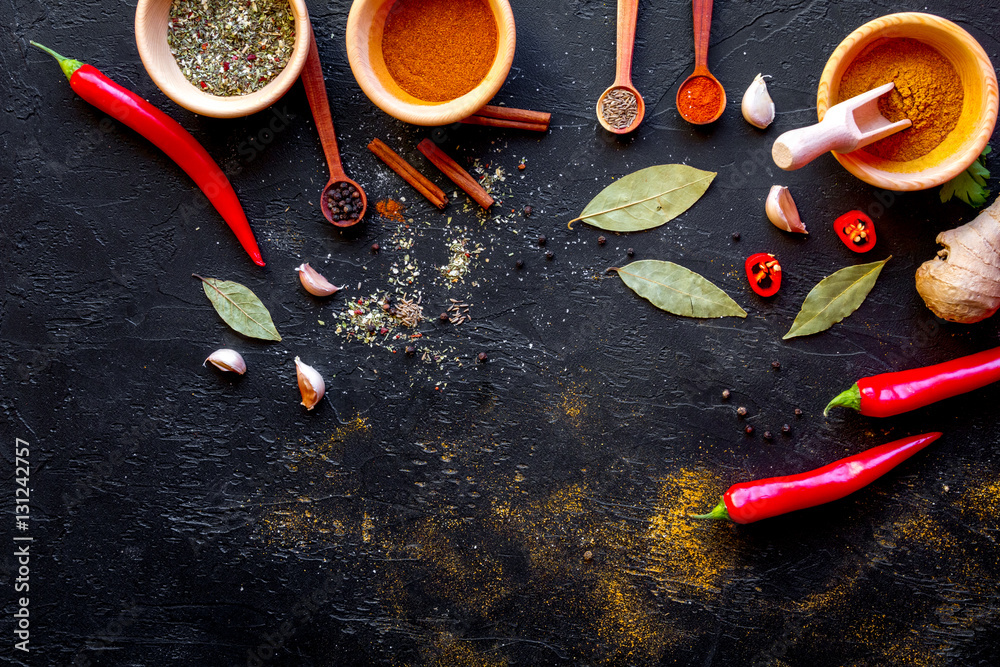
point(963, 283)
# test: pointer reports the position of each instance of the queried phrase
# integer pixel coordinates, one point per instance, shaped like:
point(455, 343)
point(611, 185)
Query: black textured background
point(438, 514)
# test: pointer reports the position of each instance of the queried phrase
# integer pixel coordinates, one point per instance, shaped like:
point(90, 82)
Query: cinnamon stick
point(501, 122)
point(521, 119)
point(451, 169)
point(433, 193)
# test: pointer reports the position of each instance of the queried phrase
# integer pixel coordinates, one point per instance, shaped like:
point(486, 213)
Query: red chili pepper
point(891, 394)
point(764, 273)
point(168, 135)
point(856, 230)
point(752, 501)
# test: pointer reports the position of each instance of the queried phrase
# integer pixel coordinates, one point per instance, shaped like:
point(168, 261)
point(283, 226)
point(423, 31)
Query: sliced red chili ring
point(856, 230)
point(764, 273)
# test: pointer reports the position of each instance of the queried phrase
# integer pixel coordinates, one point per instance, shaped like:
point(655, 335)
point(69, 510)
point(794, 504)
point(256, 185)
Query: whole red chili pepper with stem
point(764, 273)
point(752, 501)
point(167, 134)
point(891, 394)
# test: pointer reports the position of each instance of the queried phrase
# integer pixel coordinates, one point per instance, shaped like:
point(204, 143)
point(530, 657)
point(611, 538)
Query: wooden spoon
point(702, 10)
point(847, 126)
point(313, 82)
point(628, 12)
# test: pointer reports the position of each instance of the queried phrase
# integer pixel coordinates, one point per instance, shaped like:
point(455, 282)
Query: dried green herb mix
point(231, 47)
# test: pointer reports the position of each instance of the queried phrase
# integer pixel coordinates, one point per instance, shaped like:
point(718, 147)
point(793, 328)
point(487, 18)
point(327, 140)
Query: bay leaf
point(646, 198)
point(240, 308)
point(834, 298)
point(678, 290)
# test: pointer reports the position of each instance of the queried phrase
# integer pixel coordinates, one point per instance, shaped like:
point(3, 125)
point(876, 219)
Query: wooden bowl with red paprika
point(430, 62)
point(945, 83)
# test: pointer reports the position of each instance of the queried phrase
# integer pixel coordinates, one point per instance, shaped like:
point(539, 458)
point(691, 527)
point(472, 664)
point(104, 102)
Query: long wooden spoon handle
point(312, 81)
point(628, 12)
point(702, 28)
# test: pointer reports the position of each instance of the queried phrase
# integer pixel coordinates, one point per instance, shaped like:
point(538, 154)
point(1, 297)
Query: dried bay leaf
point(678, 290)
point(240, 308)
point(646, 198)
point(834, 298)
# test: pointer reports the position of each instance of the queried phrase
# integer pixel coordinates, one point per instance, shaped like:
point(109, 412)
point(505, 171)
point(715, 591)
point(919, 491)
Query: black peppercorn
point(519, 264)
point(767, 435)
point(375, 247)
point(736, 236)
point(601, 240)
point(798, 412)
point(725, 394)
point(482, 357)
point(786, 429)
point(630, 252)
point(776, 365)
point(748, 430)
point(741, 411)
point(443, 317)
point(549, 255)
point(542, 239)
point(528, 211)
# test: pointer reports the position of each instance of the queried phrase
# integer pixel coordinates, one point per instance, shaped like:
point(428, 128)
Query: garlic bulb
point(227, 360)
point(781, 210)
point(757, 106)
point(314, 283)
point(311, 384)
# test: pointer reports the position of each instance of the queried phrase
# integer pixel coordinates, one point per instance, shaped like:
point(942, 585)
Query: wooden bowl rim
point(958, 162)
point(430, 114)
point(187, 95)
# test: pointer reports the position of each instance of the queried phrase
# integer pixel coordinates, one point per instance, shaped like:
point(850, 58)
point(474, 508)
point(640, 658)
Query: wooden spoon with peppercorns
point(342, 201)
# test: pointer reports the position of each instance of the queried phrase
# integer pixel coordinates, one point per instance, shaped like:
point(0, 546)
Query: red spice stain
point(390, 209)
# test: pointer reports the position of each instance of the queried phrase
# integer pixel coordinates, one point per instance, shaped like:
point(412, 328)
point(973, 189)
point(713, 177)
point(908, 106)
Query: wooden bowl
point(151, 18)
point(979, 108)
point(364, 51)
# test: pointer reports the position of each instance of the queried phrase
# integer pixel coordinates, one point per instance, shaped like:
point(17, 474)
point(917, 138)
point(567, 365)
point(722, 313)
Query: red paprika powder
point(699, 99)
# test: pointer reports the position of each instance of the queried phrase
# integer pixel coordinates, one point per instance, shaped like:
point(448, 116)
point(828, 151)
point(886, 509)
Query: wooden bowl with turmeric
point(430, 62)
point(945, 84)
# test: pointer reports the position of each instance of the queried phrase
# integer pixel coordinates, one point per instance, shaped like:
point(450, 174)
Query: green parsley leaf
point(970, 185)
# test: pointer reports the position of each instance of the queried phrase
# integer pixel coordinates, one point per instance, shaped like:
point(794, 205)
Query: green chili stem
point(720, 512)
point(850, 398)
point(68, 65)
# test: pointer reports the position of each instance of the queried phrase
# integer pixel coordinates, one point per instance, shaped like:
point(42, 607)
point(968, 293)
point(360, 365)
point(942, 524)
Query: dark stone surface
point(441, 513)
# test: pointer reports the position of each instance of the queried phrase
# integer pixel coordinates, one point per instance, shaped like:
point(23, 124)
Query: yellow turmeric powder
point(928, 91)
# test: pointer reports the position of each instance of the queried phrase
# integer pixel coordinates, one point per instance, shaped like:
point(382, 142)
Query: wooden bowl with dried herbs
point(945, 84)
point(223, 58)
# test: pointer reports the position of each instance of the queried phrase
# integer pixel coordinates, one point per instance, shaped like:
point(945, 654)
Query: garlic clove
point(758, 109)
point(314, 283)
point(227, 360)
point(781, 210)
point(311, 384)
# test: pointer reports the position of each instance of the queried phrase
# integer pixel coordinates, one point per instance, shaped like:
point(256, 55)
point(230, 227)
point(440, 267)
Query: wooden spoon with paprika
point(623, 113)
point(347, 197)
point(701, 99)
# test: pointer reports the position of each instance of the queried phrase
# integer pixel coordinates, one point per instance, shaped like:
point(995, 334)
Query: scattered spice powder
point(699, 99)
point(390, 209)
point(619, 108)
point(439, 50)
point(928, 91)
point(231, 48)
